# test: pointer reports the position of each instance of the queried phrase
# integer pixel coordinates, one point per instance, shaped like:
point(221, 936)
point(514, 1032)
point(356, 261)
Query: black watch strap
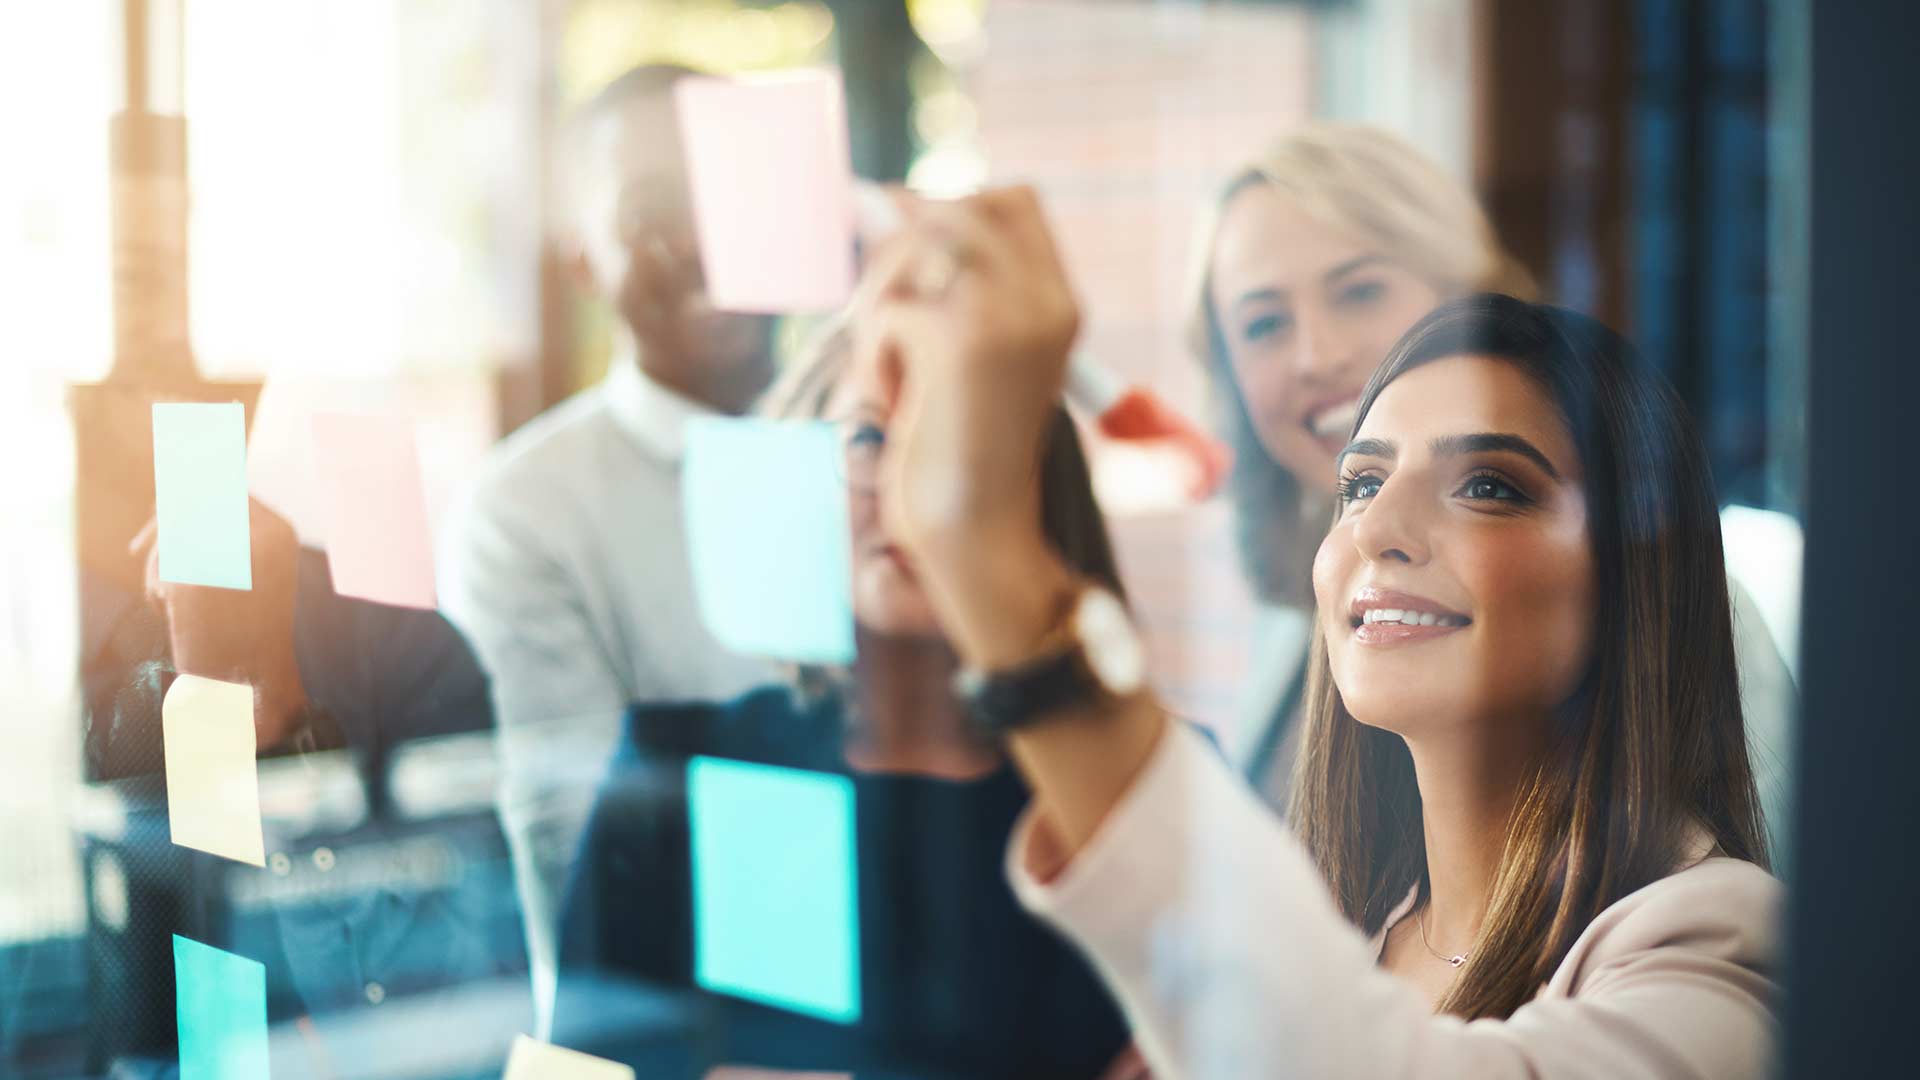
point(1002, 701)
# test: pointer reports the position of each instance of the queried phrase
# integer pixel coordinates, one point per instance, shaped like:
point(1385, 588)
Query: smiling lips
point(1330, 422)
point(1389, 617)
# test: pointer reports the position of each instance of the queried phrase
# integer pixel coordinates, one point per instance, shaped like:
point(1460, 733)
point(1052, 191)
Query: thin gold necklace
point(1420, 921)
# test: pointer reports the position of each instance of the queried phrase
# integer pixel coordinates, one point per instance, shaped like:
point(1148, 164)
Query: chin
point(1401, 712)
point(882, 621)
point(886, 604)
point(732, 341)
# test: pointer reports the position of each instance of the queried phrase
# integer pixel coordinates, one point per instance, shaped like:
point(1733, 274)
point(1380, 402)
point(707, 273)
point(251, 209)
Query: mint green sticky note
point(775, 886)
point(767, 537)
point(221, 1003)
point(200, 494)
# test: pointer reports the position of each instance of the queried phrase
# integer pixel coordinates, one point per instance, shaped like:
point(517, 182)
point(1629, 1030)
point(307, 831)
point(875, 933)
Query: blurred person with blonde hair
point(1315, 257)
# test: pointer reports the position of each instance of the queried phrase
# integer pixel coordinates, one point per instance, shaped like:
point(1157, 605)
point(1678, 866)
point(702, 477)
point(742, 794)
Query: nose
point(1322, 351)
point(1392, 528)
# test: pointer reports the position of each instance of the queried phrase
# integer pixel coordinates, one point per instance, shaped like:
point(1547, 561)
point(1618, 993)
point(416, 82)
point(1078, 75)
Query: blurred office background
point(372, 195)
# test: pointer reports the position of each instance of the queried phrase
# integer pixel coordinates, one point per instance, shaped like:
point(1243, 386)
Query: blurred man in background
point(566, 565)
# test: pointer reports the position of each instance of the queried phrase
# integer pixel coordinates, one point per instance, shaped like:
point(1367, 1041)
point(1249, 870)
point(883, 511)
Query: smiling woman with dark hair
point(1602, 606)
point(1525, 799)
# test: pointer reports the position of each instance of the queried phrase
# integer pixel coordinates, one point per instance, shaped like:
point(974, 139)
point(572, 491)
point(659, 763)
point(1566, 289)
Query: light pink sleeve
point(1212, 927)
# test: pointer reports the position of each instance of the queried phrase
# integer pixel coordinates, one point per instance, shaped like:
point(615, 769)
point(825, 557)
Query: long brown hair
point(1650, 748)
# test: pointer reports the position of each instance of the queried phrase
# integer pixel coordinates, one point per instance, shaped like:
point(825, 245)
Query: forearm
point(1000, 592)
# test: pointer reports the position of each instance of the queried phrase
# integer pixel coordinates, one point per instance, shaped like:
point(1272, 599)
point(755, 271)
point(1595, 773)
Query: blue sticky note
point(221, 1002)
point(200, 494)
point(767, 536)
point(775, 894)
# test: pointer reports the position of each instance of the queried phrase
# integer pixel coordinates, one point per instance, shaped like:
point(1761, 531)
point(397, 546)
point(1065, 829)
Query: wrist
point(998, 589)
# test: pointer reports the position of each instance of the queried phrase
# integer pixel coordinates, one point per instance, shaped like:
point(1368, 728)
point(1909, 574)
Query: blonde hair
point(1377, 188)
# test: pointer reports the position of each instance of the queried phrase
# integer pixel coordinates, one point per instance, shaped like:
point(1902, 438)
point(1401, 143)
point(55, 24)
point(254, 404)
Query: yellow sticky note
point(213, 786)
point(535, 1060)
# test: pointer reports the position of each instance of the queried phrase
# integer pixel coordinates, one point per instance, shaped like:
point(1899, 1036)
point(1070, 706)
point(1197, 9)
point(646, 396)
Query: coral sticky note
point(213, 785)
point(772, 182)
point(220, 1002)
point(379, 546)
point(768, 539)
point(200, 494)
point(531, 1059)
point(775, 886)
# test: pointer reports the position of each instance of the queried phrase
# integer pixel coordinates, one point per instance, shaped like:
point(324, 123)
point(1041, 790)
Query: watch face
point(1108, 642)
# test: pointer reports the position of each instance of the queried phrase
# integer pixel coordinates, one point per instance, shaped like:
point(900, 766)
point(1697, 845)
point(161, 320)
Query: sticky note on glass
point(213, 785)
point(200, 494)
point(531, 1059)
point(772, 184)
point(767, 536)
point(775, 886)
point(379, 546)
point(220, 1001)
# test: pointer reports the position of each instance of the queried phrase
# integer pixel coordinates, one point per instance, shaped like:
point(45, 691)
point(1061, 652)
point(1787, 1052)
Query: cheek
point(1265, 378)
point(888, 601)
point(1334, 565)
point(1331, 564)
point(863, 520)
point(1266, 385)
point(1536, 594)
point(1392, 322)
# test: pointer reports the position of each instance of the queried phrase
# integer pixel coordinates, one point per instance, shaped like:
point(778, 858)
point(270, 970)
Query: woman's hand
point(968, 314)
point(969, 317)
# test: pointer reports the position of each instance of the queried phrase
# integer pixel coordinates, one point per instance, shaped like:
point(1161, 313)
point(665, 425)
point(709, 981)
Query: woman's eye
point(1267, 326)
point(1490, 487)
point(1356, 488)
point(861, 447)
point(864, 442)
point(1360, 293)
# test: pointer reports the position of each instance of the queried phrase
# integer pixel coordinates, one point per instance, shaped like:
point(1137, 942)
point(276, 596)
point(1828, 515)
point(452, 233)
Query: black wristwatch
point(1099, 656)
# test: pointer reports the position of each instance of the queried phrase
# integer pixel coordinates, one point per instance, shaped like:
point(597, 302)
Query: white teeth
point(1337, 420)
point(1410, 618)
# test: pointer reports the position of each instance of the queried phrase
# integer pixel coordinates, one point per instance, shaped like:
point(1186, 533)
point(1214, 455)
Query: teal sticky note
point(200, 494)
point(775, 886)
point(221, 1003)
point(767, 537)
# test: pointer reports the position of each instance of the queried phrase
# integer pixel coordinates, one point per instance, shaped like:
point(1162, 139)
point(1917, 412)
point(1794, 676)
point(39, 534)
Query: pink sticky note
point(772, 183)
point(379, 545)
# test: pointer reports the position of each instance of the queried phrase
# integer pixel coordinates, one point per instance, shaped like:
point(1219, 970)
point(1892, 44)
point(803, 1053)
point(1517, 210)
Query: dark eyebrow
point(1358, 262)
point(1385, 448)
point(1453, 446)
point(1483, 442)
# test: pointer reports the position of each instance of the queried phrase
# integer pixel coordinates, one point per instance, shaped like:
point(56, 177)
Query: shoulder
point(1728, 909)
point(539, 477)
point(549, 444)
